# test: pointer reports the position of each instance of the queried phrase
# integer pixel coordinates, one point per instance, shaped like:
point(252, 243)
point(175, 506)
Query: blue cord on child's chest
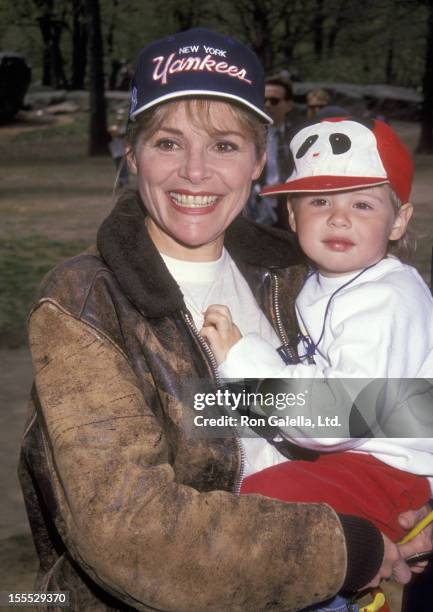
point(310, 347)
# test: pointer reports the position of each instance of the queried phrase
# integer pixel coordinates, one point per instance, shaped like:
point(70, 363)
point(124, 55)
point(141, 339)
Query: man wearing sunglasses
point(278, 99)
point(280, 106)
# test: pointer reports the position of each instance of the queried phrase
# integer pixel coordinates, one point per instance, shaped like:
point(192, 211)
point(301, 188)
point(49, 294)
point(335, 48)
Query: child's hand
point(219, 330)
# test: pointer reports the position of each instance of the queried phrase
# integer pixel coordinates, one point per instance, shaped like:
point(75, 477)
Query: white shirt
point(220, 282)
point(380, 326)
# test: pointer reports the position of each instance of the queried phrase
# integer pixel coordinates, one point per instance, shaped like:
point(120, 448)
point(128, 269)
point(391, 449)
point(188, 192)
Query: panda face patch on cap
point(343, 148)
point(342, 153)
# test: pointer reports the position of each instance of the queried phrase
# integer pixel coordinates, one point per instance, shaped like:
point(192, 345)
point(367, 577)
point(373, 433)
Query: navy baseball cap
point(197, 63)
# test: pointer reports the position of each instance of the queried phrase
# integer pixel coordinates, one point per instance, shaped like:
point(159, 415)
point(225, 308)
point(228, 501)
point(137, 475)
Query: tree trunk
point(60, 80)
point(340, 17)
point(98, 135)
point(53, 73)
point(114, 61)
point(425, 144)
point(260, 34)
point(389, 67)
point(79, 45)
point(318, 21)
point(45, 27)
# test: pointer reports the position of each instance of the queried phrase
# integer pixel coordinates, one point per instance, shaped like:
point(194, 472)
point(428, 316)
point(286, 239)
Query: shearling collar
point(125, 246)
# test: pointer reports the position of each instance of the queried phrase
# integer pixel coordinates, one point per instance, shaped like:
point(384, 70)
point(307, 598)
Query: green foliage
point(23, 263)
point(373, 42)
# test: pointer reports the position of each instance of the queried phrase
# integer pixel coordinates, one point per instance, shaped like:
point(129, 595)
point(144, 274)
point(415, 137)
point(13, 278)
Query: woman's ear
point(401, 222)
point(130, 159)
point(292, 219)
point(260, 164)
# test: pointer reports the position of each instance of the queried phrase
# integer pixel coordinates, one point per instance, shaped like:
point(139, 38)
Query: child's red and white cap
point(342, 153)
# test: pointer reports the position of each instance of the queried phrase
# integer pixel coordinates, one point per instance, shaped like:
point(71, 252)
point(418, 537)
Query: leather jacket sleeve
point(147, 539)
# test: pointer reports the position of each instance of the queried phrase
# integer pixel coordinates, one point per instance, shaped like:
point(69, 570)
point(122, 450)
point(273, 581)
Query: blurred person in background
point(320, 106)
point(279, 105)
point(116, 145)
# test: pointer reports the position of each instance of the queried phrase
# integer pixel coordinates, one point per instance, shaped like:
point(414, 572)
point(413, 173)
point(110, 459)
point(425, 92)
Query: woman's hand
point(420, 543)
point(219, 330)
point(393, 565)
point(394, 558)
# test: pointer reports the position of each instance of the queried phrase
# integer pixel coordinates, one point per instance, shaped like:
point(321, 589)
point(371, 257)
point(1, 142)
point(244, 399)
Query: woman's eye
point(166, 144)
point(225, 146)
point(363, 206)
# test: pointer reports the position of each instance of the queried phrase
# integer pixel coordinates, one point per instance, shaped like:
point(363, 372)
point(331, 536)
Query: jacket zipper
point(286, 348)
point(214, 367)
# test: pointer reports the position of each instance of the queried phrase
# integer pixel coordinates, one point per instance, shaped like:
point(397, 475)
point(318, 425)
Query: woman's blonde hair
point(199, 113)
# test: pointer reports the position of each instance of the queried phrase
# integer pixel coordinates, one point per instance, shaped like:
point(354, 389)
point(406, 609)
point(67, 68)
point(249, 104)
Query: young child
point(362, 314)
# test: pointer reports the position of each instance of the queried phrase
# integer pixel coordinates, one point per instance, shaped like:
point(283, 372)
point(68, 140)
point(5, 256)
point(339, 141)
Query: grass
point(76, 130)
point(53, 199)
point(23, 263)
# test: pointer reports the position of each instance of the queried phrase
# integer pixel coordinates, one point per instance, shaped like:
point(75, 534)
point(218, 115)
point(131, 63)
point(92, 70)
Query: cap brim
point(313, 184)
point(192, 93)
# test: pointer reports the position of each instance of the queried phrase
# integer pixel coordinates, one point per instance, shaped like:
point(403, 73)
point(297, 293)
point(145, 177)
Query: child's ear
point(401, 222)
point(292, 220)
point(130, 159)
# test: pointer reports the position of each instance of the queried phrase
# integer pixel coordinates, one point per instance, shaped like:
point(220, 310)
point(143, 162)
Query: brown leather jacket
point(126, 509)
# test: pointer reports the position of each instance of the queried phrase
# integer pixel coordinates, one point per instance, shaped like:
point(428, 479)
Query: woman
point(126, 508)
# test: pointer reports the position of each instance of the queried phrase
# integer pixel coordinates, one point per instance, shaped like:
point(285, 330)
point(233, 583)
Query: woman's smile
point(193, 203)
